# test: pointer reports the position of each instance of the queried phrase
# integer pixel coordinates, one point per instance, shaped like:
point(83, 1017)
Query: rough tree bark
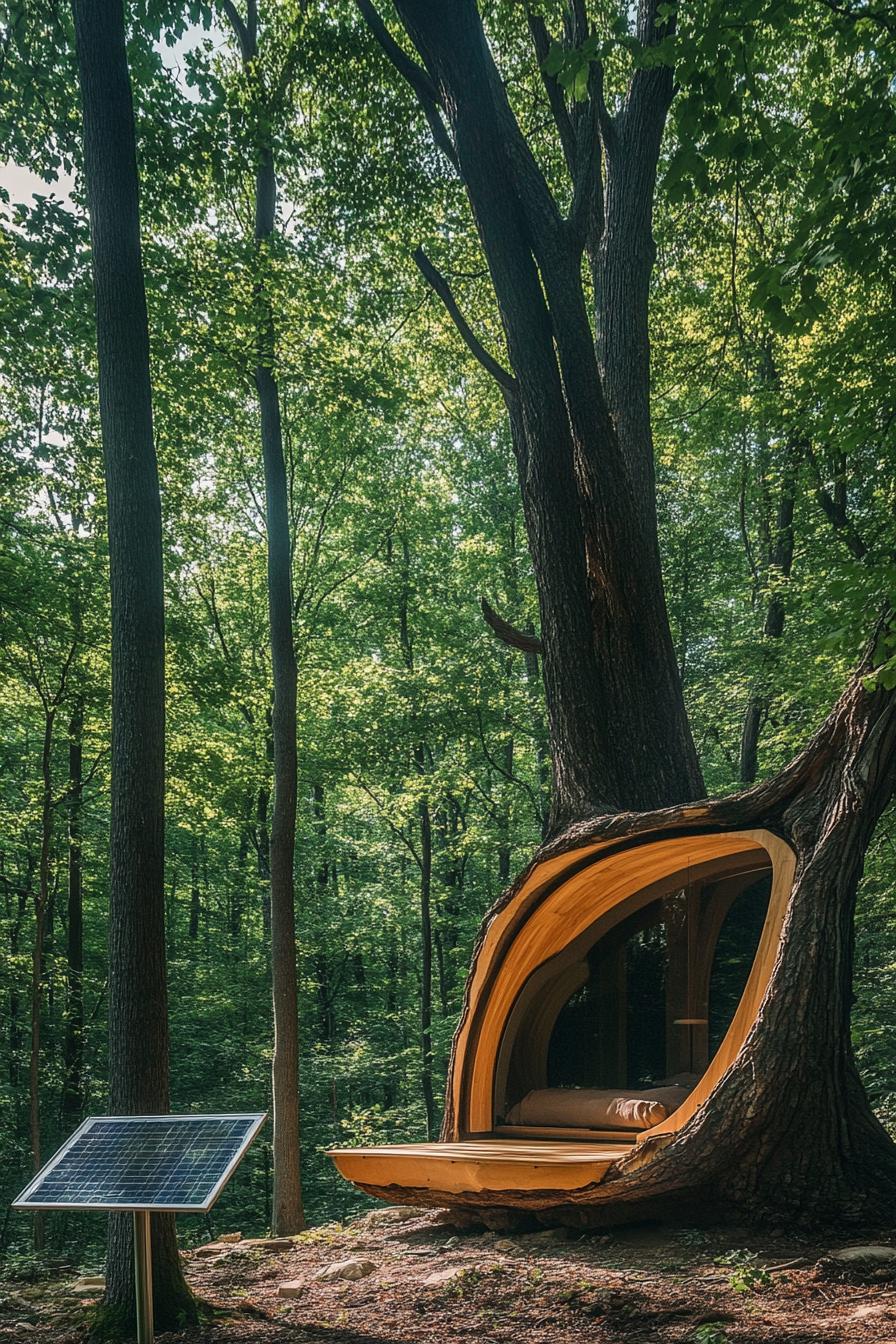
point(429, 1100)
point(138, 998)
point(579, 409)
point(287, 1211)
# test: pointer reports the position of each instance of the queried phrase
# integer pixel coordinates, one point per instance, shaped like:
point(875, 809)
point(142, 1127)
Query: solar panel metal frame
point(25, 1201)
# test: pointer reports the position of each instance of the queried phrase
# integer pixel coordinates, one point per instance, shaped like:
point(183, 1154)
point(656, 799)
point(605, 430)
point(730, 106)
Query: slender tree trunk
point(238, 897)
point(426, 959)
point(41, 906)
point(73, 1047)
point(424, 859)
point(263, 852)
point(288, 1214)
point(287, 1211)
point(504, 829)
point(138, 998)
point(15, 1001)
point(195, 894)
point(438, 944)
point(779, 564)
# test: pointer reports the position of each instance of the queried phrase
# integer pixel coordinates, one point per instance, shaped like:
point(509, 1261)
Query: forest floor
point(420, 1279)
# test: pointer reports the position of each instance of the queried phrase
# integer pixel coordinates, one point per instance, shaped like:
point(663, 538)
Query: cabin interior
point(634, 1007)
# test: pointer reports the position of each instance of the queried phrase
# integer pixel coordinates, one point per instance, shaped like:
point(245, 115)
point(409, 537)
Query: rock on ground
point(291, 1288)
point(345, 1269)
point(443, 1276)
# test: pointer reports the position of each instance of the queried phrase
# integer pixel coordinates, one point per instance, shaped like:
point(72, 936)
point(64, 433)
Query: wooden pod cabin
point(610, 991)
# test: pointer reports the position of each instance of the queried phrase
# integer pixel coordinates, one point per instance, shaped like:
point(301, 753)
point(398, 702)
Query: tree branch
point(396, 830)
point(586, 214)
point(834, 510)
point(438, 282)
point(541, 40)
point(415, 75)
point(507, 633)
point(243, 35)
point(863, 12)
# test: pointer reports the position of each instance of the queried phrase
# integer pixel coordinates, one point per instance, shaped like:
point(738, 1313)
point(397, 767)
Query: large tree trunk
point(585, 467)
point(788, 1130)
point(787, 1135)
point(138, 999)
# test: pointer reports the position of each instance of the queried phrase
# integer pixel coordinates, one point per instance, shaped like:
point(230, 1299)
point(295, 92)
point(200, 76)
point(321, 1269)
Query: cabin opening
point(639, 1003)
point(611, 990)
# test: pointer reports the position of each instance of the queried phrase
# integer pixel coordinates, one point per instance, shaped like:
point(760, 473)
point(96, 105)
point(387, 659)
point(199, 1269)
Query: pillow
point(596, 1108)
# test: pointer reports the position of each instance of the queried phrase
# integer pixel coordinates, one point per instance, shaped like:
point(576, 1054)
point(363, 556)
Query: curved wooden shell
point(568, 897)
point(558, 909)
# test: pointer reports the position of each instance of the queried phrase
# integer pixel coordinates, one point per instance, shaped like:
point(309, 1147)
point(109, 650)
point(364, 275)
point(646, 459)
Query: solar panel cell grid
point(159, 1162)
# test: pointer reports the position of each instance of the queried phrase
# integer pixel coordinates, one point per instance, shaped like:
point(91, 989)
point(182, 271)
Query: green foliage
point(709, 1333)
point(747, 1276)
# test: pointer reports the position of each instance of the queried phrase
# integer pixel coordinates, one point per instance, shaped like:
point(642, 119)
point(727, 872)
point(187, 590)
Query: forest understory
point(422, 1278)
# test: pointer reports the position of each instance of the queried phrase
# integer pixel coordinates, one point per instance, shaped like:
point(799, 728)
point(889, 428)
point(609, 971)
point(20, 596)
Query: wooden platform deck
point(480, 1165)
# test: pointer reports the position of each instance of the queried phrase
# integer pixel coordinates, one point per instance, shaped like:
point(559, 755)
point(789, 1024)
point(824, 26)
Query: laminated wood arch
point(530, 957)
point(573, 899)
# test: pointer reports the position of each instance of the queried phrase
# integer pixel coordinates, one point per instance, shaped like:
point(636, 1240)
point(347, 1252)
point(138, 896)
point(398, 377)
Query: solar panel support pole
point(143, 1276)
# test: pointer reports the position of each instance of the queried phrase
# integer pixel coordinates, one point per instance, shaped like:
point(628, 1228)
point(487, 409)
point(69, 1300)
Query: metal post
point(143, 1276)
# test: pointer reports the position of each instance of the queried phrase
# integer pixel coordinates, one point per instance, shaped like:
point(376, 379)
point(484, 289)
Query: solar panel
point(176, 1163)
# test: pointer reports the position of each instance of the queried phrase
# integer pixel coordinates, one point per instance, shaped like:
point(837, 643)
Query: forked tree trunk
point(789, 1129)
point(585, 475)
point(138, 996)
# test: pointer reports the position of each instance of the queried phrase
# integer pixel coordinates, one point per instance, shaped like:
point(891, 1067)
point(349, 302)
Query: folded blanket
point(596, 1108)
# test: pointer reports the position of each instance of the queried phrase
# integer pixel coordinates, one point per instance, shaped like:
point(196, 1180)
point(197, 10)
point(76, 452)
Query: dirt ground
point(639, 1285)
